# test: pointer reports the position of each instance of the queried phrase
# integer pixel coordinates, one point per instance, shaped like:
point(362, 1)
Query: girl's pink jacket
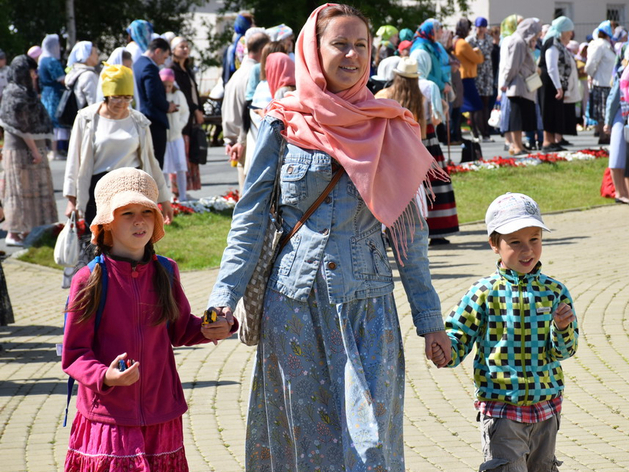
point(127, 326)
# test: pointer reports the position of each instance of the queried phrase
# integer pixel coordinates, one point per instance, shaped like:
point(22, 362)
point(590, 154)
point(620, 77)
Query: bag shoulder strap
point(99, 314)
point(335, 178)
point(71, 87)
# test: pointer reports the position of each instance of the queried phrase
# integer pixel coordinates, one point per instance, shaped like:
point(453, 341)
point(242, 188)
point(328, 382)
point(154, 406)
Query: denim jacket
point(342, 238)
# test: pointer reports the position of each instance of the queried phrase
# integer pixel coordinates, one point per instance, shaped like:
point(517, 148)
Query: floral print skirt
point(328, 386)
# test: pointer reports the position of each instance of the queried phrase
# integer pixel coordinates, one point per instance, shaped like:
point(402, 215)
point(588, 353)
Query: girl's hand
point(114, 377)
point(563, 316)
point(221, 328)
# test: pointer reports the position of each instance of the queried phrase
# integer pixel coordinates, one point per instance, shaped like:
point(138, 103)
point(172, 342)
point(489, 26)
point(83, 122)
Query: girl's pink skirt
point(101, 447)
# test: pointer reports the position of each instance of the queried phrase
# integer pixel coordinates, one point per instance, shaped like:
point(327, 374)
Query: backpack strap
point(99, 314)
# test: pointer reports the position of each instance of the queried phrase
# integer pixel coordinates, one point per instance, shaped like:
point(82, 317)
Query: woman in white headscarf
point(119, 57)
point(52, 80)
point(556, 65)
point(83, 58)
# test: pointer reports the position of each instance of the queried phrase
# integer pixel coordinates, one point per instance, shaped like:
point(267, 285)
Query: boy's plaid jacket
point(509, 317)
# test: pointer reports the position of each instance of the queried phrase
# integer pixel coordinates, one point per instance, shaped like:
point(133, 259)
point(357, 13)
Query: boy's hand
point(438, 348)
point(563, 316)
point(114, 377)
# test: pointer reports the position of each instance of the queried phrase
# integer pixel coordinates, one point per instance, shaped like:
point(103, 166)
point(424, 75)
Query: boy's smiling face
point(520, 250)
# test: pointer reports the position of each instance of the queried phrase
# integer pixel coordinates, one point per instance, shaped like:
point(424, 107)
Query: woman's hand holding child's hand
point(114, 377)
point(438, 348)
point(221, 328)
point(563, 316)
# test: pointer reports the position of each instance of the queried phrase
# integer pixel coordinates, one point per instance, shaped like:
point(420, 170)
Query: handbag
point(494, 117)
point(67, 247)
point(470, 151)
point(607, 185)
point(533, 82)
point(625, 131)
point(198, 145)
point(250, 307)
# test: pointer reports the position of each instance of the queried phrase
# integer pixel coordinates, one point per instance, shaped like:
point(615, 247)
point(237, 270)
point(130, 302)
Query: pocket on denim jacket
point(293, 182)
point(369, 256)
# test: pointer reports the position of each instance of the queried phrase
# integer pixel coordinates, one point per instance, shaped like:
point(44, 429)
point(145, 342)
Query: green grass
point(197, 241)
point(554, 186)
point(41, 252)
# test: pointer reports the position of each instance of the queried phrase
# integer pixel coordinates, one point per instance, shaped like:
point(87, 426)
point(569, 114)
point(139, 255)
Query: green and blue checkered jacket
point(509, 317)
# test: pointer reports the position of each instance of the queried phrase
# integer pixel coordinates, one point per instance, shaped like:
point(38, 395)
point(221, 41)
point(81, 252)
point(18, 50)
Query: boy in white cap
point(522, 324)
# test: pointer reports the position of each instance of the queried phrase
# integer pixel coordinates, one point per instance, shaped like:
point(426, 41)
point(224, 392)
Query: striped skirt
point(442, 216)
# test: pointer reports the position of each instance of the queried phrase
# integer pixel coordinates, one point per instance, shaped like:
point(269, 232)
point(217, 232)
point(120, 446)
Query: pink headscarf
point(377, 142)
point(279, 70)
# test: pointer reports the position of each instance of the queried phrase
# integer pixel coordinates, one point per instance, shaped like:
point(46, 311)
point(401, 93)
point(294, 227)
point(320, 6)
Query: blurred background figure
point(52, 81)
point(482, 41)
point(28, 196)
point(186, 82)
point(600, 67)
point(140, 33)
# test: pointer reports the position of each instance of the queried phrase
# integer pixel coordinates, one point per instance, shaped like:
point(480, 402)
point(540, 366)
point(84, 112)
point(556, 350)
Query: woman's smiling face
point(344, 52)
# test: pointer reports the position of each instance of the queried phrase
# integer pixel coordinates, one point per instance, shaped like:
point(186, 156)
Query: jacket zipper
point(523, 342)
point(134, 278)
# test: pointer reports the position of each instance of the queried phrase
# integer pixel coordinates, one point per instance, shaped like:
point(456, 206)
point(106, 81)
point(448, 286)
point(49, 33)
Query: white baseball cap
point(511, 212)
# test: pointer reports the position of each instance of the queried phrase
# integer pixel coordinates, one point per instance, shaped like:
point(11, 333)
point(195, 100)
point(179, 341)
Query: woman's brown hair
point(327, 14)
point(406, 92)
point(88, 298)
point(270, 48)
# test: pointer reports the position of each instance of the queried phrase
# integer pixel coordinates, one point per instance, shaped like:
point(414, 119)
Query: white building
point(586, 14)
point(203, 19)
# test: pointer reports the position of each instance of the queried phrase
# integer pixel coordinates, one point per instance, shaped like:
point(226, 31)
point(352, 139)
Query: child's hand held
point(115, 376)
point(563, 316)
point(438, 356)
point(220, 327)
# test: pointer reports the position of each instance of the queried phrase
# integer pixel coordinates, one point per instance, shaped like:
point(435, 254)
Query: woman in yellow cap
point(109, 135)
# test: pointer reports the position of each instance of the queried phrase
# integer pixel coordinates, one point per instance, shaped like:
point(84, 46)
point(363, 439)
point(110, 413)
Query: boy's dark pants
point(509, 446)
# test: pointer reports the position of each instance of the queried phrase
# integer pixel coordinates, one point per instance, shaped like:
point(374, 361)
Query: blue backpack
point(101, 306)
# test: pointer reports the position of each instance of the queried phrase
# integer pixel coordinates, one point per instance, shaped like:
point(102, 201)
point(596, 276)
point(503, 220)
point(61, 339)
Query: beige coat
point(80, 163)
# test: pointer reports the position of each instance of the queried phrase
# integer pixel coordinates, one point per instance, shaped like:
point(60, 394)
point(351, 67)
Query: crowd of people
point(129, 114)
point(300, 121)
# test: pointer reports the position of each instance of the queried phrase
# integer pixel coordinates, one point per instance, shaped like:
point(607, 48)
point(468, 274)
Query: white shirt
point(134, 50)
point(600, 63)
point(116, 145)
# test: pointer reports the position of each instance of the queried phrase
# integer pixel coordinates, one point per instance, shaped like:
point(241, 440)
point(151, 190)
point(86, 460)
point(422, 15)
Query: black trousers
point(159, 135)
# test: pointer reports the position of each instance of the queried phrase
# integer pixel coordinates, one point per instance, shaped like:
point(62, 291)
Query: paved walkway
point(587, 250)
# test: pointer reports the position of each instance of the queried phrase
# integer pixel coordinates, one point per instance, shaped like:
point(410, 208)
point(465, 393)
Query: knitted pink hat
point(122, 187)
point(167, 75)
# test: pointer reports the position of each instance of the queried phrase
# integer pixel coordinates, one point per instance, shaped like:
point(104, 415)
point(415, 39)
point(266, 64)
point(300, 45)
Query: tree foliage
point(24, 23)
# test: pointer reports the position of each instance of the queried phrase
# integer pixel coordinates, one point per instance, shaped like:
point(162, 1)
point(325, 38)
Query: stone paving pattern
point(587, 250)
